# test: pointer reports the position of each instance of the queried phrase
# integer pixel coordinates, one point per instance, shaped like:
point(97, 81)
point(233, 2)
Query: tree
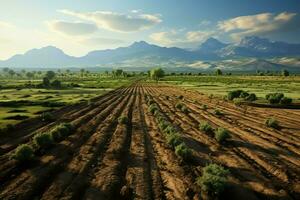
point(219, 72)
point(50, 74)
point(157, 73)
point(285, 72)
point(11, 72)
point(5, 69)
point(82, 72)
point(56, 84)
point(46, 82)
point(29, 75)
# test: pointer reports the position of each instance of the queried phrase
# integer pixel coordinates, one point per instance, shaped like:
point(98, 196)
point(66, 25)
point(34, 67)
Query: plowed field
point(104, 159)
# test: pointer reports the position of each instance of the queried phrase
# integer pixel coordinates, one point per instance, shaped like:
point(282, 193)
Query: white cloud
point(117, 21)
point(182, 39)
point(204, 23)
point(72, 28)
point(135, 11)
point(6, 25)
point(260, 24)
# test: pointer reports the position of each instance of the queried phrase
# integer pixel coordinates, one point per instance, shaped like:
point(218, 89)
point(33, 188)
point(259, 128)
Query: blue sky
point(80, 26)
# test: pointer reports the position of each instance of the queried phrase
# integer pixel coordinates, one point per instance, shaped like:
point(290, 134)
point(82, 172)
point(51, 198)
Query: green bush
point(222, 135)
point(234, 94)
point(184, 109)
point(179, 105)
point(47, 117)
point(213, 179)
point(244, 94)
point(204, 107)
point(173, 139)
point(163, 124)
point(241, 94)
point(218, 112)
point(272, 122)
point(123, 120)
point(274, 98)
point(23, 153)
point(69, 126)
point(286, 101)
point(204, 126)
point(43, 140)
point(153, 108)
point(183, 151)
point(238, 101)
point(61, 131)
point(150, 101)
point(180, 97)
point(251, 97)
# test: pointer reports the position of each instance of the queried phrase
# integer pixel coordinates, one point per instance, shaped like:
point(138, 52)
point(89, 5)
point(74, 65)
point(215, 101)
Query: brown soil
point(104, 159)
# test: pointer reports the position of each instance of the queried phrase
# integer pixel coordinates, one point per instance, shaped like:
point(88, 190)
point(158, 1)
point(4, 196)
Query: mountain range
point(252, 50)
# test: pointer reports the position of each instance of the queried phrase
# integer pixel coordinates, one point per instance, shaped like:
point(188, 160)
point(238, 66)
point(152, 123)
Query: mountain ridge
point(210, 50)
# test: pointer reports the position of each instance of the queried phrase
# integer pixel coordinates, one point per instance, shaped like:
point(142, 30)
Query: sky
point(80, 26)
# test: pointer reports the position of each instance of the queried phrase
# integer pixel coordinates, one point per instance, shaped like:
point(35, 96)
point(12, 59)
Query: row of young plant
point(214, 177)
point(170, 132)
point(41, 142)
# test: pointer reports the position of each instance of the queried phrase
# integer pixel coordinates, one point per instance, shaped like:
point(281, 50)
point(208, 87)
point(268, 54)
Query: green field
point(220, 85)
point(22, 97)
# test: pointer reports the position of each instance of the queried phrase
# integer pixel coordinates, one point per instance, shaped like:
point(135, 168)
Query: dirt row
point(108, 159)
point(258, 153)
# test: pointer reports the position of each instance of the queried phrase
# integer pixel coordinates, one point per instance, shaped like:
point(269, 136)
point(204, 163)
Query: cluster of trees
point(284, 72)
point(48, 83)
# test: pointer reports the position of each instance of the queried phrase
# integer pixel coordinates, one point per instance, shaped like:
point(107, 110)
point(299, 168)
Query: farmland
point(119, 147)
point(24, 97)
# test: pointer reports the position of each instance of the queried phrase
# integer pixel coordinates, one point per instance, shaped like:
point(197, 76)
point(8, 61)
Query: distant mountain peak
point(212, 44)
point(140, 44)
point(47, 50)
point(253, 41)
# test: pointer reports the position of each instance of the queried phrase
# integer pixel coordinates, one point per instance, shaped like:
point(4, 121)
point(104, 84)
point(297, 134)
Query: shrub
point(23, 153)
point(170, 130)
point(286, 101)
point(163, 125)
point(213, 179)
point(222, 135)
point(251, 97)
point(55, 134)
point(47, 117)
point(274, 98)
point(234, 94)
point(61, 131)
point(218, 112)
point(69, 126)
point(43, 140)
point(244, 94)
point(204, 107)
point(10, 127)
point(123, 120)
point(179, 105)
point(180, 97)
point(173, 139)
point(185, 110)
point(150, 101)
point(183, 151)
point(153, 108)
point(272, 122)
point(238, 101)
point(204, 126)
